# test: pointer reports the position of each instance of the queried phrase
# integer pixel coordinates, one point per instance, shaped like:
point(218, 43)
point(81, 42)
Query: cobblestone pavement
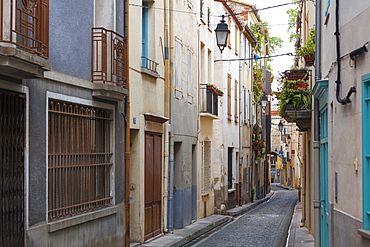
point(266, 225)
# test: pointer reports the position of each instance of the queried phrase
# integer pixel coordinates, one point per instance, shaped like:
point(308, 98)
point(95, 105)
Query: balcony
point(149, 67)
point(24, 33)
point(301, 116)
point(209, 101)
point(109, 64)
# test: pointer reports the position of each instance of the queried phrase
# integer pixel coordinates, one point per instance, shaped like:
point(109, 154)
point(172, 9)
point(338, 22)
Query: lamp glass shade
point(288, 140)
point(281, 126)
point(222, 32)
point(264, 101)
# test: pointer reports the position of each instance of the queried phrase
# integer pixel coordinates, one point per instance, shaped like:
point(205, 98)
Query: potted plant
point(308, 51)
point(296, 74)
point(293, 95)
point(258, 145)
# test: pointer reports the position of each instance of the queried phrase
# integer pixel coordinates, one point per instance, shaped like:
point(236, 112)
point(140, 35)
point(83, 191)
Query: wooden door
point(153, 185)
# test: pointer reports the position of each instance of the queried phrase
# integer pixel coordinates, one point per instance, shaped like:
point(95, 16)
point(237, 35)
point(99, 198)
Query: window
point(79, 159)
point(236, 113)
point(206, 166)
point(178, 68)
point(246, 106)
point(236, 39)
point(366, 151)
point(229, 97)
point(145, 28)
point(190, 76)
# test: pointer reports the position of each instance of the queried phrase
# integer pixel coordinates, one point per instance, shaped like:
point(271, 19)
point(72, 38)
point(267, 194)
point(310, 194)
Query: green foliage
point(295, 92)
point(309, 48)
point(292, 22)
point(258, 144)
point(257, 85)
point(253, 191)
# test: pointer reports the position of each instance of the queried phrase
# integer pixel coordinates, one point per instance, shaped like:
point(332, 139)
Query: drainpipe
point(171, 148)
point(127, 133)
point(166, 102)
point(316, 140)
point(345, 100)
point(240, 112)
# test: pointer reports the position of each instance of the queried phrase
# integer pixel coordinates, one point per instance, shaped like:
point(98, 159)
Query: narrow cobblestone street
point(266, 225)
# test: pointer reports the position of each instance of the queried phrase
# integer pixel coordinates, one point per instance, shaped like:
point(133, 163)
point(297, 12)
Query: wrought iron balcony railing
point(25, 23)
point(208, 100)
point(109, 57)
point(148, 64)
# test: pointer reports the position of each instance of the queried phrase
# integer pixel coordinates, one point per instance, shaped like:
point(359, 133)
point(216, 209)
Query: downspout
point(166, 102)
point(345, 100)
point(127, 132)
point(240, 112)
point(171, 148)
point(316, 140)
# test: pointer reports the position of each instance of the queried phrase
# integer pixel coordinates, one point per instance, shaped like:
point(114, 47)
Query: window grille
point(206, 167)
point(79, 160)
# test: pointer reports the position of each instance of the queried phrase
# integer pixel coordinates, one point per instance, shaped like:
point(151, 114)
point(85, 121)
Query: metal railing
point(208, 100)
point(109, 57)
point(25, 24)
point(79, 159)
point(149, 64)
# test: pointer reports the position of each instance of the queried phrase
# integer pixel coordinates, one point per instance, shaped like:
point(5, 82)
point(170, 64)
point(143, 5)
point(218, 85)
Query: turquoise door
point(324, 176)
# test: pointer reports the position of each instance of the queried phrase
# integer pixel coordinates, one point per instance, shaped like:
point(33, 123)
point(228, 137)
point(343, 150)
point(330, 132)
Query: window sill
point(150, 72)
point(80, 219)
point(364, 233)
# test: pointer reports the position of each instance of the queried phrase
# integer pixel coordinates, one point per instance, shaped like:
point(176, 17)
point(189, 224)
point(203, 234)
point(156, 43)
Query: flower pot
point(296, 74)
point(309, 60)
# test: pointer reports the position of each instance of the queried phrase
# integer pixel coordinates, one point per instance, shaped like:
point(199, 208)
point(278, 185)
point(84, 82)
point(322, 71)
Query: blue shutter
point(366, 151)
point(144, 47)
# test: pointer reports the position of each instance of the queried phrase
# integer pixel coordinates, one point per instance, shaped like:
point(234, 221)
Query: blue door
point(324, 176)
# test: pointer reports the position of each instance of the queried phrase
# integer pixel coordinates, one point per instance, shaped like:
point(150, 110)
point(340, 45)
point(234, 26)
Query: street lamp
point(281, 127)
point(222, 32)
point(264, 100)
point(288, 140)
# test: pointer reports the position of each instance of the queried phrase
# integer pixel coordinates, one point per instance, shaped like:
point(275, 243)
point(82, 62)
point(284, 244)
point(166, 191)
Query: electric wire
point(225, 15)
point(252, 58)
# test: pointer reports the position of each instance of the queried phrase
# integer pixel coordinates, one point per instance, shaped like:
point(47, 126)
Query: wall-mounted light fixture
point(264, 100)
point(358, 52)
point(222, 32)
point(288, 140)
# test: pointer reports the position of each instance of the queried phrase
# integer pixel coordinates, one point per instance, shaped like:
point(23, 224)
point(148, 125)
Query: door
point(153, 185)
point(12, 143)
point(324, 176)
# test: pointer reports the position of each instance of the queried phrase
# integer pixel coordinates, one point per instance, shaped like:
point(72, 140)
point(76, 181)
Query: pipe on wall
point(316, 140)
point(345, 100)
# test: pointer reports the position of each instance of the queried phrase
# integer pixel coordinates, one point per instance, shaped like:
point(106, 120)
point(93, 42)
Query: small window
point(206, 166)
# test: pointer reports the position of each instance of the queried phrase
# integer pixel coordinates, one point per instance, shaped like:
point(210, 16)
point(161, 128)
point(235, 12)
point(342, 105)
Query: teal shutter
point(366, 151)
point(144, 48)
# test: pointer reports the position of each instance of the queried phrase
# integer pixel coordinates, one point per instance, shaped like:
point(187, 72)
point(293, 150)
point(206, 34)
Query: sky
point(277, 19)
